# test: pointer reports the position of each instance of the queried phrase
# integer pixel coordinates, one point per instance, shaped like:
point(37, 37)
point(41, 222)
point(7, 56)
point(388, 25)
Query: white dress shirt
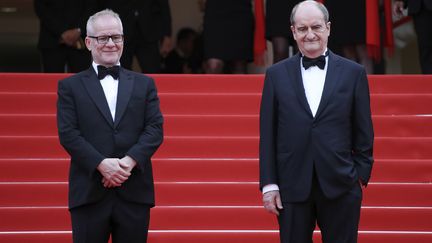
point(313, 83)
point(110, 88)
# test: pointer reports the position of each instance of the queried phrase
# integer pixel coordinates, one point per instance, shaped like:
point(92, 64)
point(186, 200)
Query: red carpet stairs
point(206, 171)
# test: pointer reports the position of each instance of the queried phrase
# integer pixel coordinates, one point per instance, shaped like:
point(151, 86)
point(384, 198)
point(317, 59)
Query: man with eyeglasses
point(316, 136)
point(109, 121)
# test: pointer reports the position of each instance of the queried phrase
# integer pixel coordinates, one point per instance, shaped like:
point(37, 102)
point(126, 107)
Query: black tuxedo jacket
point(89, 134)
point(151, 17)
point(337, 143)
point(414, 6)
point(57, 16)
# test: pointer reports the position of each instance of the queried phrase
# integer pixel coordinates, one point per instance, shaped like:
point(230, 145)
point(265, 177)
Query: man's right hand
point(272, 202)
point(113, 174)
point(398, 7)
point(70, 37)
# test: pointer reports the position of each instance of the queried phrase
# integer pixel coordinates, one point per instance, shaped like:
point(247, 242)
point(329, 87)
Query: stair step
point(38, 82)
point(30, 82)
point(210, 194)
point(209, 147)
point(204, 170)
point(401, 104)
point(208, 236)
point(174, 125)
point(215, 103)
point(402, 126)
point(214, 218)
point(164, 83)
point(400, 84)
point(213, 125)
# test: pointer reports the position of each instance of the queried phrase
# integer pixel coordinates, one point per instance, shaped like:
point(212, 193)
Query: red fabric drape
point(259, 35)
point(373, 41)
point(373, 31)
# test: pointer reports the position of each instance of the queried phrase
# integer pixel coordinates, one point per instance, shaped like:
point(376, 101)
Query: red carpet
point(206, 171)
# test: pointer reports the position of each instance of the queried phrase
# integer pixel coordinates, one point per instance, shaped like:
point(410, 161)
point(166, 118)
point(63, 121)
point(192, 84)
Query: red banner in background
point(259, 35)
point(373, 30)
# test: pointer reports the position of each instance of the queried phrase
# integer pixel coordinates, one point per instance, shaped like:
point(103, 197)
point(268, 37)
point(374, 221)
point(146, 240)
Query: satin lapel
point(126, 83)
point(96, 93)
point(294, 73)
point(331, 80)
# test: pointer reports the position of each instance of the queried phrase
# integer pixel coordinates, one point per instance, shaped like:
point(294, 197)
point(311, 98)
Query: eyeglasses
point(103, 39)
point(303, 30)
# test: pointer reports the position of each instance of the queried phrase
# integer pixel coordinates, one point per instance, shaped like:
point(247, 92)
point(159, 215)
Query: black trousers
point(65, 59)
point(126, 222)
point(337, 218)
point(423, 28)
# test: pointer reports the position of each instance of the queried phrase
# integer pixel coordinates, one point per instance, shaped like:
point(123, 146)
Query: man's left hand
point(272, 202)
point(127, 163)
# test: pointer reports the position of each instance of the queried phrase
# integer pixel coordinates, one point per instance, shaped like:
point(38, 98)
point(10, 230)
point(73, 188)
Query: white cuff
point(270, 187)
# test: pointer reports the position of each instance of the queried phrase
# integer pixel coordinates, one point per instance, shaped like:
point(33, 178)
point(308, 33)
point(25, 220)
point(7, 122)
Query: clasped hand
point(115, 171)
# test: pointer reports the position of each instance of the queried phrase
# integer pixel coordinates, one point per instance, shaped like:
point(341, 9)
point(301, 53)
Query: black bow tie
point(318, 61)
point(104, 71)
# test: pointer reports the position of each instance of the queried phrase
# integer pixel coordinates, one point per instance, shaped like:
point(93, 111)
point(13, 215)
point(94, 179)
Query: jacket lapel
point(331, 80)
point(294, 71)
point(96, 93)
point(125, 87)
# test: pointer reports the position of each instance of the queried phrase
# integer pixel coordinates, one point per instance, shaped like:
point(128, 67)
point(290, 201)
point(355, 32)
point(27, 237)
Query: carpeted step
point(165, 83)
point(402, 126)
point(209, 147)
point(44, 82)
point(171, 103)
point(401, 104)
point(214, 218)
point(212, 194)
point(204, 170)
point(214, 103)
point(215, 125)
point(30, 82)
point(400, 84)
point(215, 236)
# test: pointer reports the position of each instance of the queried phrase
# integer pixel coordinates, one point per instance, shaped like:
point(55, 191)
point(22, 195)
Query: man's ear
point(293, 31)
point(88, 43)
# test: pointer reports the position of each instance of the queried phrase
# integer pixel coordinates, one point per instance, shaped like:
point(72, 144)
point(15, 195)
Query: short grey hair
point(319, 5)
point(94, 17)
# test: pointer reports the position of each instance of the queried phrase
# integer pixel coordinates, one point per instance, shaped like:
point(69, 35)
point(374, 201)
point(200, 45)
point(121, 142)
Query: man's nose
point(310, 34)
point(110, 41)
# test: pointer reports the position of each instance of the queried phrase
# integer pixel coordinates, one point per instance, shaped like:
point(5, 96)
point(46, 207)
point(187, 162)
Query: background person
point(421, 11)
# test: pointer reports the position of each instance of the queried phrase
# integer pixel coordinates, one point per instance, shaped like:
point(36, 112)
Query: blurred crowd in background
point(234, 34)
